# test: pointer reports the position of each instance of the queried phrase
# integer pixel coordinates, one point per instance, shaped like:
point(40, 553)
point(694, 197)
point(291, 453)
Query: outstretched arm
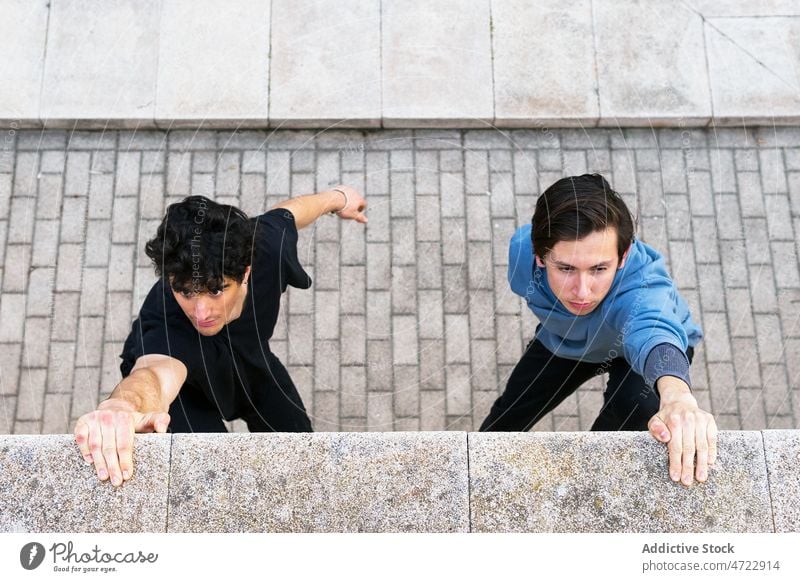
point(345, 201)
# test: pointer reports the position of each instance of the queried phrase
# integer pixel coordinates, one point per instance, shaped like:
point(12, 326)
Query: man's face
point(210, 311)
point(580, 272)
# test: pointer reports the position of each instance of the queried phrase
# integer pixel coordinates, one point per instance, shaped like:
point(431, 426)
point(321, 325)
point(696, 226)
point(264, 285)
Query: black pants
point(273, 409)
point(541, 381)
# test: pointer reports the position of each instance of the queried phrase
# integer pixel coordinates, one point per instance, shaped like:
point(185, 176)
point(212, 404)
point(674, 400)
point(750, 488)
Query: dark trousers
point(274, 408)
point(541, 381)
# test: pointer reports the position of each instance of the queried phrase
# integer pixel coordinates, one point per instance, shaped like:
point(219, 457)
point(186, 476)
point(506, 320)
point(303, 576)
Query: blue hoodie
point(642, 315)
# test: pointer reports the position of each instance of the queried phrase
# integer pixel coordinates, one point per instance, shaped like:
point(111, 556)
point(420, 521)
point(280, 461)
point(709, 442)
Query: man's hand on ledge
point(687, 430)
point(105, 437)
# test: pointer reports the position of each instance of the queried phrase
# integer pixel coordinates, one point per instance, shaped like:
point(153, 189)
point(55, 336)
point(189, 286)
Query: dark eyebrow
point(562, 264)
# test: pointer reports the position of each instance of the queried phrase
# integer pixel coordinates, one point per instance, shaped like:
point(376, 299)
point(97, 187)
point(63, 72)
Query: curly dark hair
point(576, 206)
point(199, 242)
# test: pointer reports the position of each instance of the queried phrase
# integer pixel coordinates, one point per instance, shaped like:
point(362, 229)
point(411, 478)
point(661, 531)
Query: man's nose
point(201, 309)
point(582, 289)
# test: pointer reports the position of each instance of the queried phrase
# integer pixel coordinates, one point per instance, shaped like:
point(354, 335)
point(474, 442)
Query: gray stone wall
point(401, 482)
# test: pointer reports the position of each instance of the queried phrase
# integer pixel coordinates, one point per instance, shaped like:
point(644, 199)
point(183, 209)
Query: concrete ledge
point(324, 482)
point(409, 482)
point(576, 482)
point(45, 486)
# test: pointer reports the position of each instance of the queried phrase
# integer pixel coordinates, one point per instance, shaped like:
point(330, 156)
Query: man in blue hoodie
point(606, 304)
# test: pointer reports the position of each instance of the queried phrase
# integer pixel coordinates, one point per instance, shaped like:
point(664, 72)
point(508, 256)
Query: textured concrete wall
point(410, 482)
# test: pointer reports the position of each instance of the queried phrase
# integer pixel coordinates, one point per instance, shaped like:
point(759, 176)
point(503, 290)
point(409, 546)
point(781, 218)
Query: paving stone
point(379, 412)
point(404, 289)
point(762, 290)
point(10, 370)
point(325, 415)
point(777, 395)
point(751, 409)
point(56, 414)
point(740, 313)
point(670, 84)
point(431, 359)
point(705, 229)
point(746, 66)
point(712, 293)
point(402, 200)
point(432, 417)
point(30, 400)
point(37, 500)
point(429, 265)
point(750, 194)
point(480, 265)
point(406, 394)
point(89, 348)
point(483, 370)
point(353, 394)
point(700, 194)
point(379, 370)
point(729, 222)
point(785, 257)
point(301, 334)
point(77, 179)
point(509, 344)
point(12, 317)
point(717, 338)
point(684, 270)
point(24, 27)
point(458, 389)
point(379, 314)
point(770, 343)
point(430, 316)
point(755, 232)
point(353, 340)
point(746, 363)
point(723, 174)
point(679, 223)
point(481, 315)
point(26, 174)
point(403, 247)
point(405, 347)
point(418, 83)
point(353, 300)
point(570, 94)
point(120, 267)
point(21, 220)
point(195, 80)
point(779, 221)
point(17, 268)
point(36, 342)
point(326, 362)
point(80, 68)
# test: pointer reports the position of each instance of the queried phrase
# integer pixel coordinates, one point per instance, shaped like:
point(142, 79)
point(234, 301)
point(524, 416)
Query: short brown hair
point(576, 206)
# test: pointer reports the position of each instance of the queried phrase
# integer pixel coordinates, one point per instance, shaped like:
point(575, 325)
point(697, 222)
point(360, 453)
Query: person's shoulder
point(276, 217)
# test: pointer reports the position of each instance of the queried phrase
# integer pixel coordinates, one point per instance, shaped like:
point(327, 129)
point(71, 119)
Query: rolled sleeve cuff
point(666, 360)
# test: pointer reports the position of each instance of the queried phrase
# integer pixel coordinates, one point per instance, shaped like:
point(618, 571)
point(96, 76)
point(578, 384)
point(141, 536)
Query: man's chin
point(208, 331)
point(581, 310)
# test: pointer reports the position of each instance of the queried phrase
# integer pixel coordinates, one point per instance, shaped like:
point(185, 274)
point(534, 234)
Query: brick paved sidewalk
point(410, 324)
